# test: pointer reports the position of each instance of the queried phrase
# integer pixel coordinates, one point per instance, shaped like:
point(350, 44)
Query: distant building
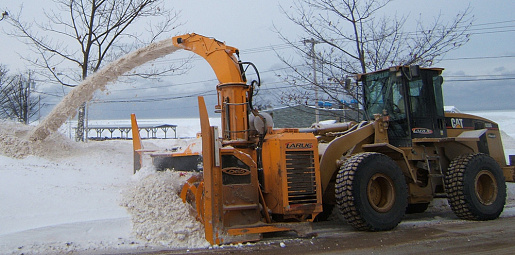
point(299, 116)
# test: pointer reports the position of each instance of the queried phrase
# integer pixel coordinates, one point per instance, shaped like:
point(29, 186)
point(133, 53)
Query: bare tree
point(88, 33)
point(16, 101)
point(4, 80)
point(357, 36)
point(3, 74)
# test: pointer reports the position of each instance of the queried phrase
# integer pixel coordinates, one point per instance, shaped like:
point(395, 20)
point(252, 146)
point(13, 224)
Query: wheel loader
point(258, 179)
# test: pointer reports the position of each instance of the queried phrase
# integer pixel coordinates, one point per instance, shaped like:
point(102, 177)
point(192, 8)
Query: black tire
point(475, 187)
point(371, 192)
point(417, 208)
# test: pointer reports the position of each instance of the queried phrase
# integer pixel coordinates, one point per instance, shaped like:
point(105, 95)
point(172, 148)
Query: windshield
point(383, 91)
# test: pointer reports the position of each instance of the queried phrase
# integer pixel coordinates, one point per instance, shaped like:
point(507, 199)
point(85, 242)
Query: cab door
point(425, 105)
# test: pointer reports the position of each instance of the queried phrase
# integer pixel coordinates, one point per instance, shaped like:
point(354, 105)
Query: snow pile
point(508, 142)
point(54, 205)
point(13, 143)
point(193, 145)
point(10, 143)
point(58, 196)
point(158, 214)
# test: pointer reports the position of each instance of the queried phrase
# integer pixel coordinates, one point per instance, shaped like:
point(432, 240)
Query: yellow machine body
point(234, 207)
point(291, 178)
point(255, 178)
point(232, 201)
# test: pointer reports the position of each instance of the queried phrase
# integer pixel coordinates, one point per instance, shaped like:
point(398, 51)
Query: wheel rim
point(381, 192)
point(486, 187)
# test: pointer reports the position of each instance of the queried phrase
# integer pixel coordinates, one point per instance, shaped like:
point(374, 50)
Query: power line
point(480, 75)
point(475, 27)
point(483, 57)
point(495, 22)
point(154, 99)
point(295, 44)
point(494, 32)
point(296, 66)
point(483, 79)
point(165, 86)
point(290, 45)
point(299, 43)
point(211, 93)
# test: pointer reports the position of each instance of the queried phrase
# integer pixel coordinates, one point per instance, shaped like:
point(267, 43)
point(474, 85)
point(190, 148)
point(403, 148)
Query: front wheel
point(371, 192)
point(475, 187)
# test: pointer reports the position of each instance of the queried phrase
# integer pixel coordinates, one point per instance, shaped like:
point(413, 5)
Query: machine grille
point(300, 172)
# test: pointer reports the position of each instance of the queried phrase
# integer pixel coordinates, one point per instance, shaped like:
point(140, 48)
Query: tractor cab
point(411, 96)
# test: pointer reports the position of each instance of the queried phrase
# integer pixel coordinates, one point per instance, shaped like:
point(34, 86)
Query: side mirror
point(414, 71)
point(438, 79)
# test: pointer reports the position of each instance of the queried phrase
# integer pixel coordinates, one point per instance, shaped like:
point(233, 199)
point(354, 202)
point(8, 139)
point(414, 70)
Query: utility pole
point(31, 84)
point(39, 108)
point(27, 103)
point(313, 57)
point(86, 120)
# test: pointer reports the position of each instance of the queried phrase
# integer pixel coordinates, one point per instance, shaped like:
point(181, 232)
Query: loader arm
point(220, 57)
point(338, 147)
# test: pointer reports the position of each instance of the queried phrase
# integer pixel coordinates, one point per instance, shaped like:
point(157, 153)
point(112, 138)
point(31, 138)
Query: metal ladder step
point(440, 195)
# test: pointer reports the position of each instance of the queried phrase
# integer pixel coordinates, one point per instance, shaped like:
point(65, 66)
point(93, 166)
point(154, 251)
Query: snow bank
point(158, 214)
point(13, 143)
point(58, 196)
point(505, 119)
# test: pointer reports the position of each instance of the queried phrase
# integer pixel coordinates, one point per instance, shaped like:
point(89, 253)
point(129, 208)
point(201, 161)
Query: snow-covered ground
point(58, 196)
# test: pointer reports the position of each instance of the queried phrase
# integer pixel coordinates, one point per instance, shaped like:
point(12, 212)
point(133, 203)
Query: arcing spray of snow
point(84, 92)
point(158, 213)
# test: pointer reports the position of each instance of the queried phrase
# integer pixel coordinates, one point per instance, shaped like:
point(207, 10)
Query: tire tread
point(344, 192)
point(455, 186)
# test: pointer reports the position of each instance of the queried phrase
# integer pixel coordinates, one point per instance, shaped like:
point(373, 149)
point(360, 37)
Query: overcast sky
point(478, 76)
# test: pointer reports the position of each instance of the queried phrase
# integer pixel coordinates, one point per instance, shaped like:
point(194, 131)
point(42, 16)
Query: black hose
point(255, 69)
point(253, 83)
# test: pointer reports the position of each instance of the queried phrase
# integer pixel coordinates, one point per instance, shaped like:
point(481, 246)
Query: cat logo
point(456, 123)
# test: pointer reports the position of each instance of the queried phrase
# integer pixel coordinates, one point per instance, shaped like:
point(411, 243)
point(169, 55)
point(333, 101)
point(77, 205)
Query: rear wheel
point(371, 192)
point(475, 187)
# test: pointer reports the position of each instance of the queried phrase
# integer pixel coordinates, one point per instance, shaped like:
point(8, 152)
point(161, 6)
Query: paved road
point(433, 232)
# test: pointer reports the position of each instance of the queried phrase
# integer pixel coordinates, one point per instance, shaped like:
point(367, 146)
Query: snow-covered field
point(58, 196)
